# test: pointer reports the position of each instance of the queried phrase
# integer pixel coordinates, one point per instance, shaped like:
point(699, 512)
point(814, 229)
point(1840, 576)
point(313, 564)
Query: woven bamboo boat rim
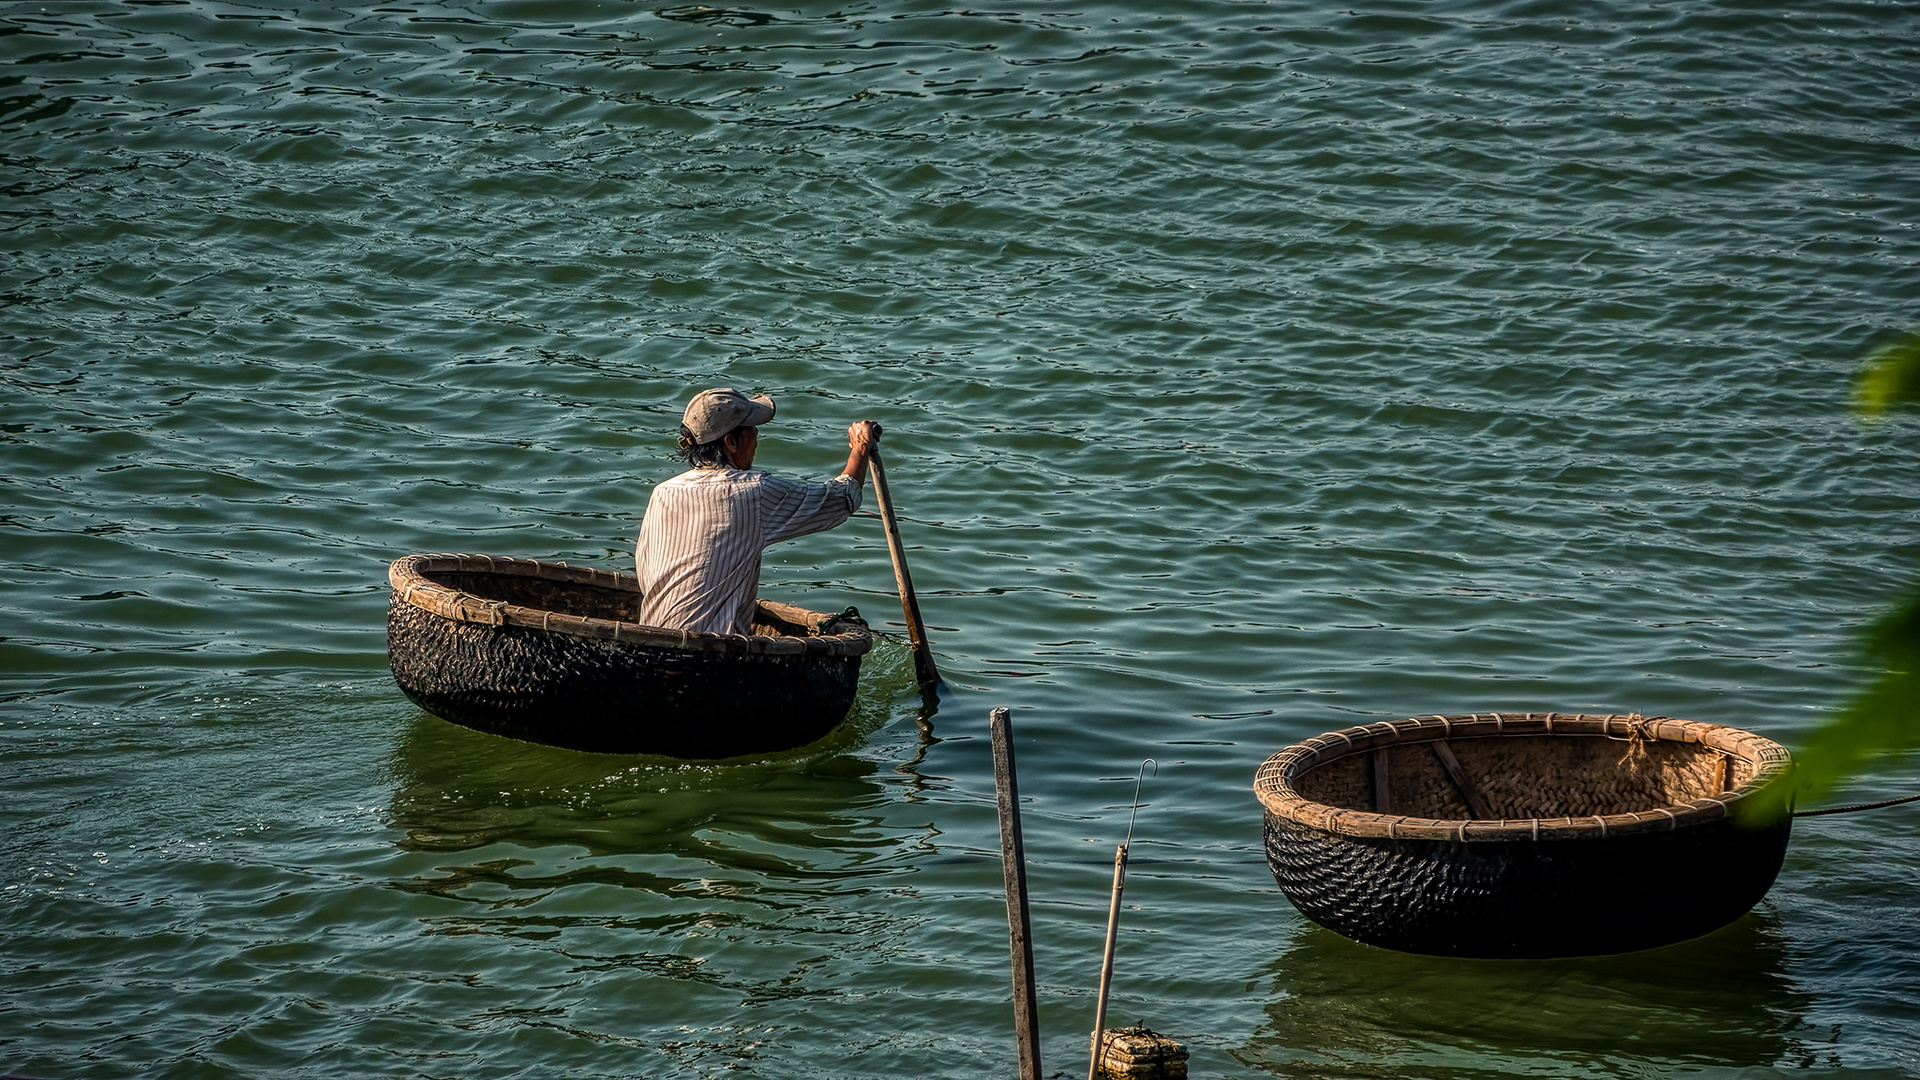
point(411, 586)
point(1274, 783)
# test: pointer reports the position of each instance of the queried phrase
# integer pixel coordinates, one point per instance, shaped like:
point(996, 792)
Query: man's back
point(698, 555)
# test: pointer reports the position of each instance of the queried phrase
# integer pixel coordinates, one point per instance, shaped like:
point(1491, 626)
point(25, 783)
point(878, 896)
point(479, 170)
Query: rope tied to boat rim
point(1856, 807)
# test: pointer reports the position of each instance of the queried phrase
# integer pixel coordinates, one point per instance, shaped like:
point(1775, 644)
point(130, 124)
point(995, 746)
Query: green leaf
point(1891, 378)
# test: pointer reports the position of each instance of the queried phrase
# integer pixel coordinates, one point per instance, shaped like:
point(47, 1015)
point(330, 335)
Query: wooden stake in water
point(1113, 922)
point(1013, 864)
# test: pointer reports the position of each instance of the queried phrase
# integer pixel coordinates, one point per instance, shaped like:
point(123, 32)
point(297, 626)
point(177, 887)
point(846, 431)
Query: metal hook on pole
point(1113, 921)
point(1135, 812)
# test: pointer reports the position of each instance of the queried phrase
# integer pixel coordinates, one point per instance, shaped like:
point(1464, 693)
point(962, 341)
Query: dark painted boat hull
point(1525, 899)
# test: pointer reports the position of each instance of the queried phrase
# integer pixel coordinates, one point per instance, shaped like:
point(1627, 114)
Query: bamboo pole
point(1106, 959)
point(1013, 864)
point(924, 671)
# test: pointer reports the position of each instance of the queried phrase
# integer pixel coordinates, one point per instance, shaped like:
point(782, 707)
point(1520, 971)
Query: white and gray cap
point(713, 413)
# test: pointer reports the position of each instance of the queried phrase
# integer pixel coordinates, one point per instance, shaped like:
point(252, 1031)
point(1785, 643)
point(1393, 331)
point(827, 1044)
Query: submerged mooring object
point(1137, 1053)
point(1522, 834)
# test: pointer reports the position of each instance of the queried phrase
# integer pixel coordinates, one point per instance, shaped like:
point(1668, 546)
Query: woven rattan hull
point(1598, 834)
point(539, 651)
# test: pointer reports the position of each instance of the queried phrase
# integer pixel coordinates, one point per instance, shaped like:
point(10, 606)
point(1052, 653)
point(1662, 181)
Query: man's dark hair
point(706, 455)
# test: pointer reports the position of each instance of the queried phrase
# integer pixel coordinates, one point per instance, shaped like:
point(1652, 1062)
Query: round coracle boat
point(1522, 834)
point(550, 653)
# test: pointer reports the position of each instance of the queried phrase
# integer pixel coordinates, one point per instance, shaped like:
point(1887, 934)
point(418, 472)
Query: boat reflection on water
point(539, 833)
point(1725, 1000)
point(636, 906)
point(457, 789)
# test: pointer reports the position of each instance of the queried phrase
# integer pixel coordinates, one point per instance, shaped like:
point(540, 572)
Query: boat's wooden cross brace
point(1476, 802)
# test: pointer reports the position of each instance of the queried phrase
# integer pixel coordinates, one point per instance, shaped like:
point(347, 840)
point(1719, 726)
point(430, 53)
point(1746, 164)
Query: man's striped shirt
point(699, 550)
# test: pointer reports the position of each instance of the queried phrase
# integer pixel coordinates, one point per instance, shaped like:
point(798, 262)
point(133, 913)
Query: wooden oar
point(924, 672)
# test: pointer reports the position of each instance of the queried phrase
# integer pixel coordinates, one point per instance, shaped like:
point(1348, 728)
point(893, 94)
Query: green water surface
point(1249, 370)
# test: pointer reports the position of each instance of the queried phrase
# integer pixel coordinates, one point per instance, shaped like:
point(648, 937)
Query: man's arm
point(789, 508)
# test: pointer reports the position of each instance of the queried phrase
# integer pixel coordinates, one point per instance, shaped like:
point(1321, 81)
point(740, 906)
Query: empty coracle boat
point(1522, 835)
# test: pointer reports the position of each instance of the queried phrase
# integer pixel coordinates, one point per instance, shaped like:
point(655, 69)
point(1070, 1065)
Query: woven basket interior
point(561, 597)
point(1545, 776)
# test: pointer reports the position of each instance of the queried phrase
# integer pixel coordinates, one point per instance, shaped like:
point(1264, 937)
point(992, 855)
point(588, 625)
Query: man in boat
point(699, 549)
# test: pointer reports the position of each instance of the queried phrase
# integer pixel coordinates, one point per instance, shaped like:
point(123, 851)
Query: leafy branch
point(1886, 715)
